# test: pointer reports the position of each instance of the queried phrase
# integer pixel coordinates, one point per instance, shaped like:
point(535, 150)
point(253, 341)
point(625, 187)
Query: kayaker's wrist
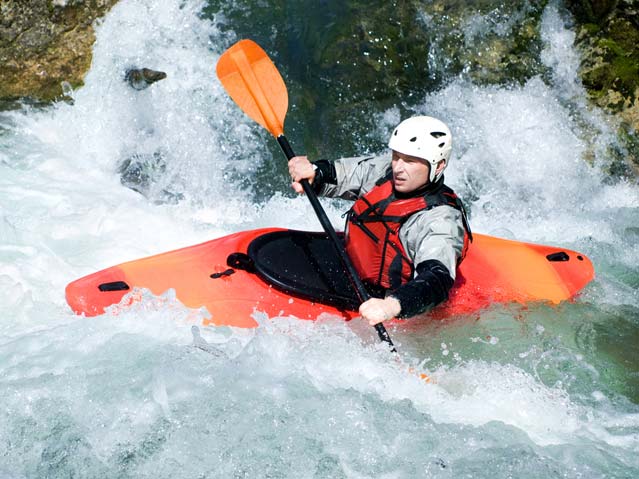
point(318, 180)
point(324, 173)
point(395, 305)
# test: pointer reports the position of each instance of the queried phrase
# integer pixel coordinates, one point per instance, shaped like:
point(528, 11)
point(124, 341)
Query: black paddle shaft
point(362, 293)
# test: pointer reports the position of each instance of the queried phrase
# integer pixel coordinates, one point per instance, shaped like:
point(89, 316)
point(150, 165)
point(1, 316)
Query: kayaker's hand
point(376, 310)
point(300, 168)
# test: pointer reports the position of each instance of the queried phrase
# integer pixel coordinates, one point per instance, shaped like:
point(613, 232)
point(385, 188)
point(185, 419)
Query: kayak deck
point(285, 272)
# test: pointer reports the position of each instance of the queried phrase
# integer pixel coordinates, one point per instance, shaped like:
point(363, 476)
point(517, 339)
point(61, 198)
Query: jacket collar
point(427, 189)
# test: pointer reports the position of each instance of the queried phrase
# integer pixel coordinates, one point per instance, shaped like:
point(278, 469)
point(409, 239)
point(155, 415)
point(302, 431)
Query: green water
point(346, 63)
point(537, 391)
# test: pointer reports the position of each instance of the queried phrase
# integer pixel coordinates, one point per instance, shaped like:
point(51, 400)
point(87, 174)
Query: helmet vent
point(413, 139)
point(395, 133)
point(437, 134)
point(441, 145)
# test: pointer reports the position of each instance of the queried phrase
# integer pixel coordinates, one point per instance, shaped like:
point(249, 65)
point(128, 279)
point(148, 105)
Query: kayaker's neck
point(428, 188)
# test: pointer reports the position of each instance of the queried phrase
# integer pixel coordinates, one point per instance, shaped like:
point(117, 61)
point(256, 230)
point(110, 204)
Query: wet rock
point(346, 62)
point(608, 38)
point(591, 11)
point(44, 43)
point(486, 41)
point(143, 172)
point(351, 58)
point(138, 171)
point(142, 78)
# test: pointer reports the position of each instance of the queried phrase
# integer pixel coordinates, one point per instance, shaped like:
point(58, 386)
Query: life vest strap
point(373, 225)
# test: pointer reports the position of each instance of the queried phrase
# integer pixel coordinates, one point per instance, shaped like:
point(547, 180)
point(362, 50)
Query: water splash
point(543, 392)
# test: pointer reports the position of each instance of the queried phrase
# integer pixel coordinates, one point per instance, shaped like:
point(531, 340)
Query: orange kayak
point(295, 273)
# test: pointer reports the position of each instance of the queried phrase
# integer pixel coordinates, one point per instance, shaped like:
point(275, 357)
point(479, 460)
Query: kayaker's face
point(409, 172)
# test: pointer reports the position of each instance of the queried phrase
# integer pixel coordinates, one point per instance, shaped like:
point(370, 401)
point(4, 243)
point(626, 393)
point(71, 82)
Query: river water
point(518, 392)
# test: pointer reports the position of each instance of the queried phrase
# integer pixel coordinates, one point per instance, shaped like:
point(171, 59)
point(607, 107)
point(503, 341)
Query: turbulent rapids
point(155, 390)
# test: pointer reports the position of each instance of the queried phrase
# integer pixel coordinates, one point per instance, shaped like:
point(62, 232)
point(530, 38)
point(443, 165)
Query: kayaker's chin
point(399, 184)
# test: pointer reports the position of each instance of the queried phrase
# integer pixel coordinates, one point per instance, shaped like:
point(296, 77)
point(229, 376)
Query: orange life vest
point(372, 232)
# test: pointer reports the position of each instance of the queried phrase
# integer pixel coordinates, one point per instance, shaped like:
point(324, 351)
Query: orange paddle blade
point(252, 80)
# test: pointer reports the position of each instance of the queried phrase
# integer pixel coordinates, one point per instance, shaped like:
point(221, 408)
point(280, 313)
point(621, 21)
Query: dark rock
point(141, 172)
point(43, 43)
point(591, 11)
point(608, 38)
point(142, 78)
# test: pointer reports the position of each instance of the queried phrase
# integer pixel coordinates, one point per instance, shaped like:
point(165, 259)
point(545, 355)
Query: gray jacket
point(436, 234)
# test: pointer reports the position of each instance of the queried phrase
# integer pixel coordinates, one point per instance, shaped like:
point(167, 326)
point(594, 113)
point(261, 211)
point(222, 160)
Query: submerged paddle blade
point(252, 80)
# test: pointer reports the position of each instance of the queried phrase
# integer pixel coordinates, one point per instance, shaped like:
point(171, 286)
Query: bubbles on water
point(492, 340)
point(163, 140)
point(527, 172)
point(141, 390)
point(560, 55)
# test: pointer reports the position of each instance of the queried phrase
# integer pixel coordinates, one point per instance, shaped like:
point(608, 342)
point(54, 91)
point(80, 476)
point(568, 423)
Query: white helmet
point(424, 137)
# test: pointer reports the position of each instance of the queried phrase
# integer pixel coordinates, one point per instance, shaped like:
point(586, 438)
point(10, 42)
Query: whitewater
point(147, 391)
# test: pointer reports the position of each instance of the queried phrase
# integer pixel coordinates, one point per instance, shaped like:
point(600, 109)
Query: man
point(407, 232)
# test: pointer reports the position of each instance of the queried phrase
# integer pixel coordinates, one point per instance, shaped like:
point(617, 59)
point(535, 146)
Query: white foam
point(519, 159)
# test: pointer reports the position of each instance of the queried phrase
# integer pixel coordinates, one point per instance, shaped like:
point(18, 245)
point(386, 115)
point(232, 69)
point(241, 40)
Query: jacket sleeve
point(349, 178)
point(433, 240)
